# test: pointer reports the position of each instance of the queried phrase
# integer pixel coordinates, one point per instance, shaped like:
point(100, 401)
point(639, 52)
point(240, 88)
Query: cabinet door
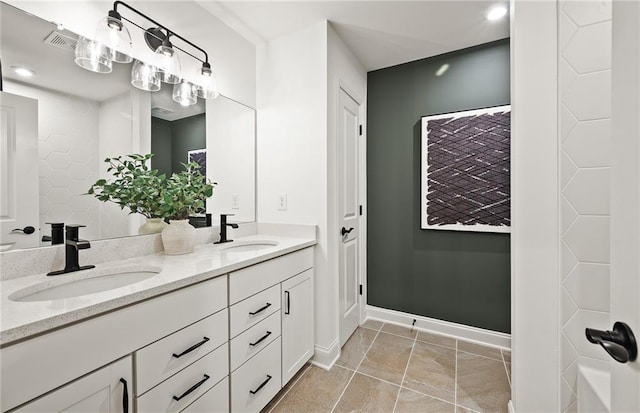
point(297, 323)
point(107, 390)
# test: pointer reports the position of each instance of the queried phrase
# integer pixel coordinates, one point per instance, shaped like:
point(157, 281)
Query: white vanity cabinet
point(107, 390)
point(271, 324)
point(297, 323)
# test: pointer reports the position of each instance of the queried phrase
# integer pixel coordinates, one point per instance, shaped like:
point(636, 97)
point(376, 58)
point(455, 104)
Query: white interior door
point(349, 219)
point(18, 171)
point(625, 196)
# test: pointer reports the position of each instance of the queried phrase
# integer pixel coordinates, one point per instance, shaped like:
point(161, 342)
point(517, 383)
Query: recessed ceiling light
point(442, 69)
point(23, 71)
point(497, 12)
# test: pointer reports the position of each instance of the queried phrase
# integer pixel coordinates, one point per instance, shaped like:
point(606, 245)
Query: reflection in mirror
point(79, 118)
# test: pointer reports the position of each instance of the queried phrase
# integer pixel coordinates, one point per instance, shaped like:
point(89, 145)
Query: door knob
point(620, 342)
point(345, 231)
point(26, 230)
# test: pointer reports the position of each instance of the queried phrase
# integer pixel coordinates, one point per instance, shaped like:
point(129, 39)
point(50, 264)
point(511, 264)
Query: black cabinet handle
point(261, 339)
point(264, 383)
point(195, 386)
point(125, 396)
point(288, 310)
point(190, 349)
point(345, 231)
point(259, 310)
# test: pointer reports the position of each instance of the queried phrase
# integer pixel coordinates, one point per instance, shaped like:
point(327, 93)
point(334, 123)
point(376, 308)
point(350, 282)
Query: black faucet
point(72, 246)
point(57, 233)
point(223, 228)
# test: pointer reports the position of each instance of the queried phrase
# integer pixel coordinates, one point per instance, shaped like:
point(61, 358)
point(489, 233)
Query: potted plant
point(134, 185)
point(184, 194)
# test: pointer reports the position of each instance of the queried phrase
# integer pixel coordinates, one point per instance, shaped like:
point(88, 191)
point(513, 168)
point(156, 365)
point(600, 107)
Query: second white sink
point(84, 283)
point(249, 245)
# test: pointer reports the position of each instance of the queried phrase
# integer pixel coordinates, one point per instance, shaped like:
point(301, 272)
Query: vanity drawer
point(259, 335)
point(215, 400)
point(255, 383)
point(207, 371)
point(250, 280)
point(157, 361)
point(254, 309)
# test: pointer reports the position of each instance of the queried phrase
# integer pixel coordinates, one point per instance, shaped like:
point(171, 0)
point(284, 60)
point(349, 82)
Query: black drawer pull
point(288, 300)
point(125, 396)
point(190, 349)
point(258, 311)
point(259, 341)
point(195, 386)
point(264, 383)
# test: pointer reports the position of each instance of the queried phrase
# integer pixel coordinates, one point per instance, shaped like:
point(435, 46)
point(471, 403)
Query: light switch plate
point(235, 201)
point(282, 202)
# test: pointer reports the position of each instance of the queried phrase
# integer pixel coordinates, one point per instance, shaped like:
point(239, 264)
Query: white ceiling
point(379, 33)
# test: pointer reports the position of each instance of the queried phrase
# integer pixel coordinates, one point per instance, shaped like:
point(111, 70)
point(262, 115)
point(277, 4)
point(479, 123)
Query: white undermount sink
point(84, 282)
point(249, 245)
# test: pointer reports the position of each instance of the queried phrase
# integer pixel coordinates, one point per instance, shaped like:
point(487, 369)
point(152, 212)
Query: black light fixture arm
point(169, 31)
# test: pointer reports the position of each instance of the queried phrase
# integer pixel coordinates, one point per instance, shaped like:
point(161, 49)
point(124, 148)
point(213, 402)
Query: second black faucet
point(223, 228)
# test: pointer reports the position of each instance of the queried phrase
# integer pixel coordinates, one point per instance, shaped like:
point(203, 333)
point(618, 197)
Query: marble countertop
point(20, 320)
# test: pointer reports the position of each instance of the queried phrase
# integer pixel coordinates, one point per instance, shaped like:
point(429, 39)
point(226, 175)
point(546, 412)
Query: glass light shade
point(168, 64)
point(145, 77)
point(92, 56)
point(184, 93)
point(117, 39)
point(208, 86)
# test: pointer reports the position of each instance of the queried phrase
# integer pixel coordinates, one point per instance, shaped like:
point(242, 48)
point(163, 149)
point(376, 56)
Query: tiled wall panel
point(585, 130)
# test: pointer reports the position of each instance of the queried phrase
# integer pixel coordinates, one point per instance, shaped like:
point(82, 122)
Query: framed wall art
point(465, 170)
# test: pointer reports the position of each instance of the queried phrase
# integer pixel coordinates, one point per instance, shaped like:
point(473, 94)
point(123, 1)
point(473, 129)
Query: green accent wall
point(161, 145)
point(462, 277)
point(170, 141)
point(188, 134)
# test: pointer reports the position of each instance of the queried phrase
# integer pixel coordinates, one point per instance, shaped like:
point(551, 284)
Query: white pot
point(152, 226)
point(178, 237)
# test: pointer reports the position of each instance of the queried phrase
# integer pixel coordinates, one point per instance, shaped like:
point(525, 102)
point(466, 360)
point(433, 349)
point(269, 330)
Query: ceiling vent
point(61, 41)
point(161, 111)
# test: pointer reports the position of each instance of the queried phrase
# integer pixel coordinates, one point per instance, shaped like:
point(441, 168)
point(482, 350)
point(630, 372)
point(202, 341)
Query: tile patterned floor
point(387, 368)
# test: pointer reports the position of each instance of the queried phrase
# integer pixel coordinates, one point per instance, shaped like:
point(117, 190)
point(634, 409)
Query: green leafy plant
point(133, 185)
point(185, 192)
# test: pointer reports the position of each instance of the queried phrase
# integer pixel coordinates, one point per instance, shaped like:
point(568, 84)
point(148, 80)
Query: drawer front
point(251, 311)
point(215, 400)
point(157, 361)
point(250, 280)
point(187, 386)
point(250, 390)
point(249, 343)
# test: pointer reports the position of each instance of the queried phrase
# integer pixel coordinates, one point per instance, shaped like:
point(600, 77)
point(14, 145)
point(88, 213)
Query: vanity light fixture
point(113, 44)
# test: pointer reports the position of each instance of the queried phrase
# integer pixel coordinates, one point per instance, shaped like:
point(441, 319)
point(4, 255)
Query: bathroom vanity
point(222, 329)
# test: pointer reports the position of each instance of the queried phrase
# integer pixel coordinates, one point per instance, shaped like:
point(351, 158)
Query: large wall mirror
point(81, 118)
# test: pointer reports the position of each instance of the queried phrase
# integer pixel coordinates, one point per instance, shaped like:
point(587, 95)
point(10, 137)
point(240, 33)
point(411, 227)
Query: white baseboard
point(460, 331)
point(326, 357)
point(510, 406)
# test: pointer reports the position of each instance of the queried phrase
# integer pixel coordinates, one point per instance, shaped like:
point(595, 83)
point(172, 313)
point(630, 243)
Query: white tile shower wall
point(585, 127)
point(68, 157)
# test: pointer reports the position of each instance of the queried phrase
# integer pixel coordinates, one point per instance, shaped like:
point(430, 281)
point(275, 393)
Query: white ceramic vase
point(178, 237)
point(152, 226)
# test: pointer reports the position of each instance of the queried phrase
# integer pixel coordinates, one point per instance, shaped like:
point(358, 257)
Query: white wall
point(292, 150)
point(585, 140)
point(534, 237)
point(232, 57)
point(68, 157)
